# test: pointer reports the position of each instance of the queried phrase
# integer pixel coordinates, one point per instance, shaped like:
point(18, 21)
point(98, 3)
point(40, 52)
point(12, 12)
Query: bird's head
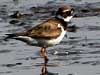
point(65, 13)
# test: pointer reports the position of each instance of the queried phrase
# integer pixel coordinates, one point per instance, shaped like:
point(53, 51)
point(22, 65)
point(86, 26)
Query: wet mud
point(77, 54)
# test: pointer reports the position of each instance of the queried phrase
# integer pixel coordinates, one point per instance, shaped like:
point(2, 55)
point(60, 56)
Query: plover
point(47, 33)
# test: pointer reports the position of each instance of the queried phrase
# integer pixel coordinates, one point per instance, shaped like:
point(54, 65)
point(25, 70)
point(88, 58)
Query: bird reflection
point(44, 70)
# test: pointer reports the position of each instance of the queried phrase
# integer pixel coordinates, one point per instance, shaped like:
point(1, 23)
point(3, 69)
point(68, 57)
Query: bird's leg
point(44, 69)
point(44, 54)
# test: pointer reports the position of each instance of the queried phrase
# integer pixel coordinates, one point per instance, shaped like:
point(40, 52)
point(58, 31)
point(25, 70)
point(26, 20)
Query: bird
point(48, 33)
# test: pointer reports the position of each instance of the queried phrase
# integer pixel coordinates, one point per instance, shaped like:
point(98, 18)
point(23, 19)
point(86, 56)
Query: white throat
point(67, 19)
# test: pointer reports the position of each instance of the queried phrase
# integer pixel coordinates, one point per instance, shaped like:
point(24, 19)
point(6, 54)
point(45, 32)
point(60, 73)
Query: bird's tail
point(9, 36)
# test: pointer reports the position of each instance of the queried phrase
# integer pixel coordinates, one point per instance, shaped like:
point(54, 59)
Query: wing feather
point(48, 29)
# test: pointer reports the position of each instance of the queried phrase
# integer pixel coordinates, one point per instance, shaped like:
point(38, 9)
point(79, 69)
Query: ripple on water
point(5, 51)
point(6, 72)
point(94, 63)
point(11, 65)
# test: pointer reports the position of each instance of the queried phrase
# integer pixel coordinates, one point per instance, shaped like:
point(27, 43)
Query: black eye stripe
point(68, 11)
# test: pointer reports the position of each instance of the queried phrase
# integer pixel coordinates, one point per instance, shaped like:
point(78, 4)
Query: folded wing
point(47, 30)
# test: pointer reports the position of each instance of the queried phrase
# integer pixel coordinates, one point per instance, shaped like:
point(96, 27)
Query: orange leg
point(43, 70)
point(44, 54)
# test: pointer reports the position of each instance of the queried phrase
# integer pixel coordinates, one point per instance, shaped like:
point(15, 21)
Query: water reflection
point(44, 70)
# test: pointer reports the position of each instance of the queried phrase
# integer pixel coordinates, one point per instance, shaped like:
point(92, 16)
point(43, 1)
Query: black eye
point(72, 9)
point(68, 13)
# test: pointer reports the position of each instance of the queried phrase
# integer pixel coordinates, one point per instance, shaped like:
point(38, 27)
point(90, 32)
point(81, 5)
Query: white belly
point(57, 40)
point(53, 41)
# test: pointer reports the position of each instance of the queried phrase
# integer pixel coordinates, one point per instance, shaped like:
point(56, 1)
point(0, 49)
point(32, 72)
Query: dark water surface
point(78, 53)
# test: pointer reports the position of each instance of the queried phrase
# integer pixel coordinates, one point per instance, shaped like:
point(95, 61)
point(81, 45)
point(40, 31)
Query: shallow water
point(77, 54)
